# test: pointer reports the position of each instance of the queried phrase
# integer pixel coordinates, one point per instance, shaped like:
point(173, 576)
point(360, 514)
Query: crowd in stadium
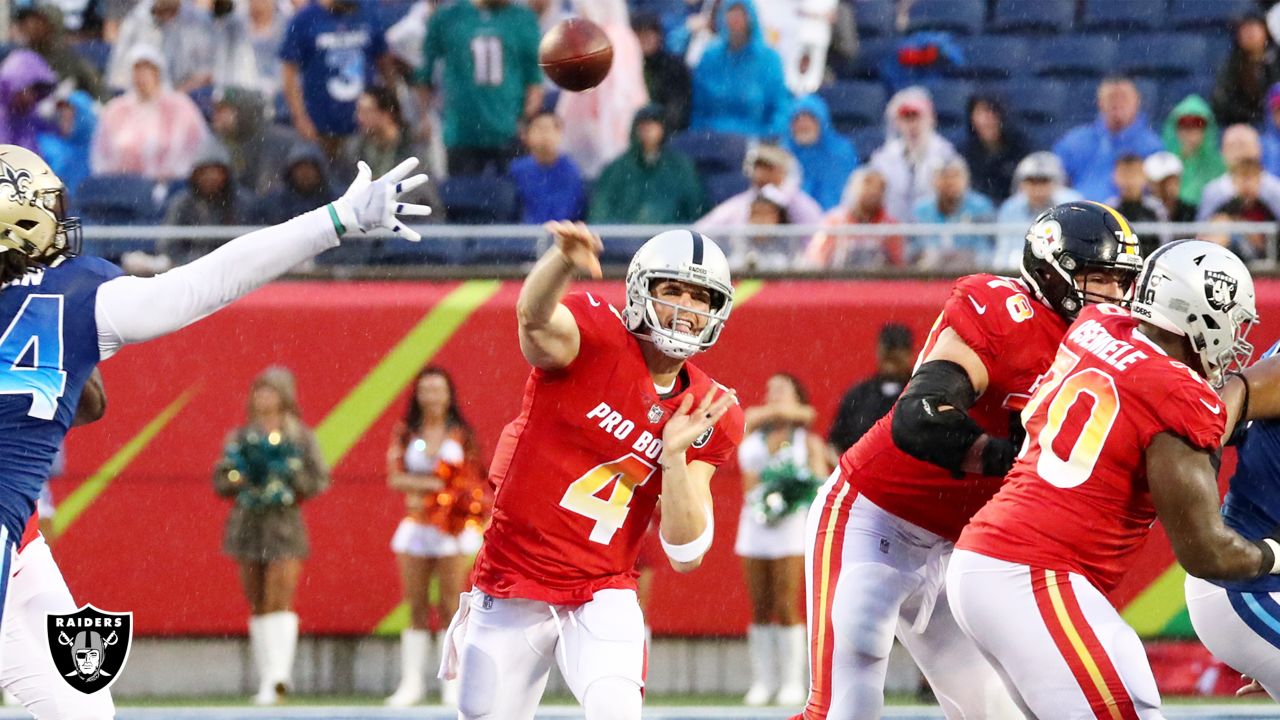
point(718, 113)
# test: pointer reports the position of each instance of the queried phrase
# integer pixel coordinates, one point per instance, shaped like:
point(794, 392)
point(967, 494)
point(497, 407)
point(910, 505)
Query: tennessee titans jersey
point(48, 349)
point(1252, 504)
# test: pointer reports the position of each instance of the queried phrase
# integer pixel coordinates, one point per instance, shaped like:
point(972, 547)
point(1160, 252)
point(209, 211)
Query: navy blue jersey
point(48, 349)
point(1252, 505)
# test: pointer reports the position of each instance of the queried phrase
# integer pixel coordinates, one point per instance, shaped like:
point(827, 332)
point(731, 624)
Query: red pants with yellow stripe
point(1060, 646)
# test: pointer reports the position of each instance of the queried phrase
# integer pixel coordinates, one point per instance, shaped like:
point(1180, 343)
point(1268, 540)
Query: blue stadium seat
point(722, 186)
point(430, 251)
point(1037, 16)
point(950, 100)
point(95, 51)
point(501, 251)
point(963, 17)
point(1195, 14)
point(711, 152)
point(619, 251)
point(1176, 91)
point(479, 200)
point(1163, 55)
point(1074, 56)
point(1217, 48)
point(954, 133)
point(866, 65)
point(1122, 15)
point(1033, 100)
point(1042, 136)
point(116, 200)
point(854, 103)
point(350, 252)
point(867, 140)
point(992, 57)
point(875, 18)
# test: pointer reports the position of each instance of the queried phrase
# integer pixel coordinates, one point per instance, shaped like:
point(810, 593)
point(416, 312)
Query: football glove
point(370, 205)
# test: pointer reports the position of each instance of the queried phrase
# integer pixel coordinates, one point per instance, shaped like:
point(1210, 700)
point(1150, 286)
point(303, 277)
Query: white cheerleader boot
point(794, 646)
point(413, 662)
point(261, 646)
point(762, 647)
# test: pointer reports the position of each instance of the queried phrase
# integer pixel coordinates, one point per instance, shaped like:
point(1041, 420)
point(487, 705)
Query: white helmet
point(687, 256)
point(1203, 292)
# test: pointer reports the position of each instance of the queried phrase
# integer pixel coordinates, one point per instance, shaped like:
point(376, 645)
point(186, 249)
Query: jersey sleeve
point(723, 441)
point(1190, 409)
point(599, 323)
point(985, 311)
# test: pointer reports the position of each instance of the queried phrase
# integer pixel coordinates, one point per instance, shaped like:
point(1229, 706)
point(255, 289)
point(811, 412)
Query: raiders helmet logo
point(90, 646)
point(705, 437)
point(1219, 289)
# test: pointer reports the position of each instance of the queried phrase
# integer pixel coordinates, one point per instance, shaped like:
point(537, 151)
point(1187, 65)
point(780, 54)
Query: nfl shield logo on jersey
point(1219, 289)
point(89, 646)
point(655, 413)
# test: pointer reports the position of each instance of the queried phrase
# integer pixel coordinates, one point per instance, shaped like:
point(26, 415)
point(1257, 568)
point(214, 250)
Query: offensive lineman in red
point(881, 529)
point(615, 421)
point(1122, 429)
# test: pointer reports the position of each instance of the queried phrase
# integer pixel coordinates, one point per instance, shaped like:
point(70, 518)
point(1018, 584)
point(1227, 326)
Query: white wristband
point(693, 549)
point(1275, 552)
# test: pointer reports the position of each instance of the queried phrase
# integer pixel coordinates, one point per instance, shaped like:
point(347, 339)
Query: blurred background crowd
point(720, 113)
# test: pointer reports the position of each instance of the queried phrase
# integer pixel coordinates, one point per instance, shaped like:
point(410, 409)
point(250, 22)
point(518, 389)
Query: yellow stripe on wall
point(1158, 604)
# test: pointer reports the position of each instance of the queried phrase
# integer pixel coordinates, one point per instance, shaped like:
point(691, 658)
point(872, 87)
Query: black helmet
point(1071, 238)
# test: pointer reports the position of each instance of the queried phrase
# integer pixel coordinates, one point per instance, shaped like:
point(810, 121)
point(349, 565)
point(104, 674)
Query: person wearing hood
point(765, 164)
point(179, 29)
point(649, 184)
point(826, 158)
point(1191, 133)
point(1251, 68)
point(666, 75)
point(913, 151)
point(1089, 152)
point(258, 147)
point(66, 145)
point(212, 197)
point(992, 147)
point(25, 80)
point(306, 178)
point(42, 30)
point(152, 130)
point(738, 85)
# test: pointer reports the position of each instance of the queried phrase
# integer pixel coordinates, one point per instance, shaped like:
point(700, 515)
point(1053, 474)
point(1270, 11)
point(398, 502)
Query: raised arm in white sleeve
point(134, 309)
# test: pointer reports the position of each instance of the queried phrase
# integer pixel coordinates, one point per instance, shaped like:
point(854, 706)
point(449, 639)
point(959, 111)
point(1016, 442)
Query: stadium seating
point(117, 200)
point(501, 251)
point(711, 152)
point(1035, 16)
point(875, 18)
point(479, 200)
point(1032, 100)
point(950, 100)
point(1207, 14)
point(1174, 92)
point(1124, 15)
point(963, 17)
point(866, 140)
point(722, 186)
point(1073, 56)
point(97, 52)
point(866, 65)
point(992, 57)
point(429, 251)
point(855, 103)
point(618, 251)
point(1163, 55)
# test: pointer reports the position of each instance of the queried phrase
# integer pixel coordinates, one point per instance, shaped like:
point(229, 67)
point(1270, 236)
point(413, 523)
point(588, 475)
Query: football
point(576, 54)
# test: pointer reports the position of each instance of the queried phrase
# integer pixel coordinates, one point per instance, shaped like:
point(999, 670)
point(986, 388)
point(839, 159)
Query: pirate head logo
point(1219, 289)
point(90, 646)
point(14, 182)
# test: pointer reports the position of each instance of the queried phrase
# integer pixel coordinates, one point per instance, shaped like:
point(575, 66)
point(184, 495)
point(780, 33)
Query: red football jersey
point(576, 474)
point(1016, 336)
point(1077, 499)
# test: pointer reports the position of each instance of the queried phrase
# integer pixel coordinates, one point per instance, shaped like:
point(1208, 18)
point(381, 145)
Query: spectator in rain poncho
point(738, 86)
point(1191, 133)
point(211, 197)
point(179, 29)
point(152, 130)
point(25, 80)
point(305, 181)
point(1039, 184)
point(765, 165)
point(913, 151)
point(650, 183)
point(826, 158)
point(66, 146)
point(597, 124)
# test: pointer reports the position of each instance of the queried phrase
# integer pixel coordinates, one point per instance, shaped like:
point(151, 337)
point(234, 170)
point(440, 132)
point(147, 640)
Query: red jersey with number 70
point(1015, 336)
point(1077, 499)
point(576, 474)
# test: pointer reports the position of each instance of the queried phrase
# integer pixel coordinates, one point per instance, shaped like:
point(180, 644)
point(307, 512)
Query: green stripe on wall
point(78, 501)
point(351, 418)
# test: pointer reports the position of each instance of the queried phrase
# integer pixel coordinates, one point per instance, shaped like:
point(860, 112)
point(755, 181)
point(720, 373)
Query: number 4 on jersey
point(31, 355)
point(583, 495)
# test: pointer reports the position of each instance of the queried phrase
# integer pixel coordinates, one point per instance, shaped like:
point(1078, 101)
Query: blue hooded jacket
point(739, 91)
point(68, 155)
point(828, 162)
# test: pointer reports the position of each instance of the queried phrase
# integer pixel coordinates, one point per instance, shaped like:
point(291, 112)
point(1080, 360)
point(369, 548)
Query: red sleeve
point(599, 323)
point(723, 442)
point(986, 312)
point(1191, 410)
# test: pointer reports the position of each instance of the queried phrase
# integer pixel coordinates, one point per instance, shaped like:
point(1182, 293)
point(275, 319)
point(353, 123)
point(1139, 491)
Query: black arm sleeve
point(931, 421)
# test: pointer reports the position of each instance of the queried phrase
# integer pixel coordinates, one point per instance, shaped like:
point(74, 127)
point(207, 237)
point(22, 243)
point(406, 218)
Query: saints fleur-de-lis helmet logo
point(32, 206)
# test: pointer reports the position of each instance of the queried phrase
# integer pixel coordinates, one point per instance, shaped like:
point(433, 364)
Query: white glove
point(371, 205)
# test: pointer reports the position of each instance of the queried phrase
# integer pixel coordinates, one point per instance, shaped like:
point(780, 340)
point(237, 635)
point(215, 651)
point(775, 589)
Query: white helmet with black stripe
point(687, 256)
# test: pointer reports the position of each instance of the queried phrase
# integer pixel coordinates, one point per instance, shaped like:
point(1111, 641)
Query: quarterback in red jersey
point(615, 422)
point(881, 529)
point(1121, 430)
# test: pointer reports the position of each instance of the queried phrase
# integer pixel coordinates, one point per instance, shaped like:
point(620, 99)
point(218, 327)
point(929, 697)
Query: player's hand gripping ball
point(576, 54)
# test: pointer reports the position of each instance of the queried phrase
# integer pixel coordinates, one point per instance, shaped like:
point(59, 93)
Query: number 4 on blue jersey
point(31, 355)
